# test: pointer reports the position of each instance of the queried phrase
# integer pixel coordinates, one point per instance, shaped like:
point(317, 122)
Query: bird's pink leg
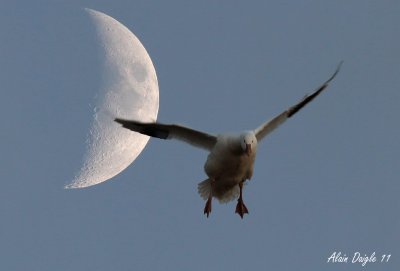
point(207, 208)
point(241, 209)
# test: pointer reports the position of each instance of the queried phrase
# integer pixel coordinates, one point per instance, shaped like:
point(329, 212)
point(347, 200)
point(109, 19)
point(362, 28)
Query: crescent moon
point(129, 89)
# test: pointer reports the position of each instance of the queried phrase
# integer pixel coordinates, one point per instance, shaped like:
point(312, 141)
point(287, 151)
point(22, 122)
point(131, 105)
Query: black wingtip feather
point(309, 98)
point(149, 129)
point(120, 121)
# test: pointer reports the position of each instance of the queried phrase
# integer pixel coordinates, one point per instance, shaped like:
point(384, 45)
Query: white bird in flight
point(231, 159)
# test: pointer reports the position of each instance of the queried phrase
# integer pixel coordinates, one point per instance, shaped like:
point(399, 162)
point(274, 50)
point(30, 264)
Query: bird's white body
point(227, 165)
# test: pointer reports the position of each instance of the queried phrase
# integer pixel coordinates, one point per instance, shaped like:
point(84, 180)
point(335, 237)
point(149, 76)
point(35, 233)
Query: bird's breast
point(233, 167)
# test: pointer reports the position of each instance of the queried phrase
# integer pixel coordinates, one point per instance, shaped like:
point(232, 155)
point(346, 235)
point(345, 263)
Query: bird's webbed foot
point(207, 208)
point(241, 209)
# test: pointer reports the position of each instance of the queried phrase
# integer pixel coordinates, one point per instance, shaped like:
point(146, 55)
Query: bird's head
point(248, 142)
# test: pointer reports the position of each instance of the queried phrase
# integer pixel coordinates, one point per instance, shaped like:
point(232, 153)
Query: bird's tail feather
point(204, 189)
point(224, 196)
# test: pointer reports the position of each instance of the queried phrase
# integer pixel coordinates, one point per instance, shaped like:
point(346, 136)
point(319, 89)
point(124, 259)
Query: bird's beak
point(248, 149)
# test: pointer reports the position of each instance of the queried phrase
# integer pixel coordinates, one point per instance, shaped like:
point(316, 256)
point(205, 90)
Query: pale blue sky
point(328, 180)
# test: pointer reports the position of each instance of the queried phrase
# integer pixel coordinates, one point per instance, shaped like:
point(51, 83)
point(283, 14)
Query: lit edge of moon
point(129, 90)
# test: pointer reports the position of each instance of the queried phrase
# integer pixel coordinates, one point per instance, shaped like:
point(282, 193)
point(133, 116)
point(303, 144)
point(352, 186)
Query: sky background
point(325, 181)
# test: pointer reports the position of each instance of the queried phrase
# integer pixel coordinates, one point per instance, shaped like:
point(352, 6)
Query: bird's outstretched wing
point(272, 124)
point(171, 131)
